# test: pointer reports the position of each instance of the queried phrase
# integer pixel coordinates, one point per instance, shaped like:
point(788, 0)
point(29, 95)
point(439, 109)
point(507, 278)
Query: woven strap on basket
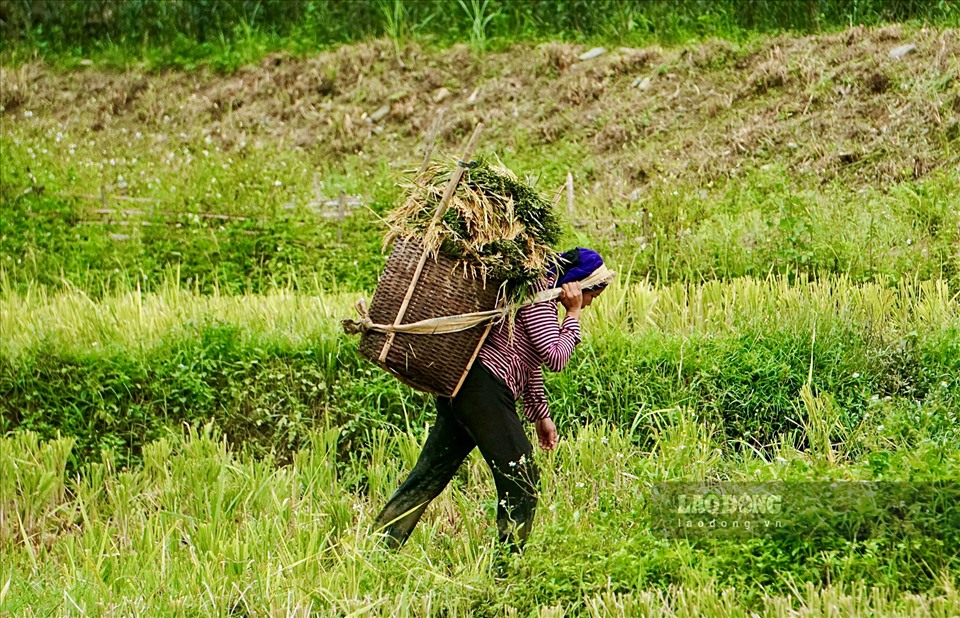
point(463, 321)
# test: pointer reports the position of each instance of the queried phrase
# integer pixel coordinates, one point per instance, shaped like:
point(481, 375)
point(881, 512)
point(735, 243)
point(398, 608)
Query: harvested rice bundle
point(495, 227)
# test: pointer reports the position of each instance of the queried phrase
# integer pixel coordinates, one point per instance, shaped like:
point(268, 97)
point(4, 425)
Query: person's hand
point(571, 297)
point(547, 433)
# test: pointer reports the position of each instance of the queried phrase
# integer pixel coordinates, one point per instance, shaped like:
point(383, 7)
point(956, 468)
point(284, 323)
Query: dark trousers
point(484, 415)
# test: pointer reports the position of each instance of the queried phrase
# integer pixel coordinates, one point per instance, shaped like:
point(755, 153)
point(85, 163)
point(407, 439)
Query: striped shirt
point(538, 341)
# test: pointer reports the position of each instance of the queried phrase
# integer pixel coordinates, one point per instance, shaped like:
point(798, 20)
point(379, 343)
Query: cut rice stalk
point(496, 225)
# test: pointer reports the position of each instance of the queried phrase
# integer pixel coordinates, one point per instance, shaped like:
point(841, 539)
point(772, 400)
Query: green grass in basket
point(497, 226)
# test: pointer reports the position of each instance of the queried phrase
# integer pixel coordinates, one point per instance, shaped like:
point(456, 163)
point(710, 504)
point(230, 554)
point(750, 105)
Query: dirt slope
point(827, 106)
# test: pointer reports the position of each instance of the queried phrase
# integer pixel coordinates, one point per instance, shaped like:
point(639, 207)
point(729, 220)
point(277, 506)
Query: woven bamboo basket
point(434, 363)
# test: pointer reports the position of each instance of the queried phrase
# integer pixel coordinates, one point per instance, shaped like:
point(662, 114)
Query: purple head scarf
point(576, 265)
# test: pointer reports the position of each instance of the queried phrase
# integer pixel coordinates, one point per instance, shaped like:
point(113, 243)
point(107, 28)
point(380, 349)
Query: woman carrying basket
point(483, 414)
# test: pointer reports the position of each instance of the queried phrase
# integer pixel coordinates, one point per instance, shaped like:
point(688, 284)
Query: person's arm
point(535, 397)
point(554, 343)
point(535, 409)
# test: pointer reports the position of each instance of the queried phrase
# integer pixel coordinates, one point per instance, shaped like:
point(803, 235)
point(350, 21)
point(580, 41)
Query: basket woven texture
point(431, 363)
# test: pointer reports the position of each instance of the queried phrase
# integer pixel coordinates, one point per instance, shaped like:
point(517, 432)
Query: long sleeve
point(518, 356)
point(535, 397)
point(552, 342)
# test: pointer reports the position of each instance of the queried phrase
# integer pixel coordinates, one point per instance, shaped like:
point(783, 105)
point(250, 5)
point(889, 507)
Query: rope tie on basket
point(456, 323)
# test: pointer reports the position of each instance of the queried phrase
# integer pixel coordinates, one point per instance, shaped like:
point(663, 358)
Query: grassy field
point(816, 155)
point(187, 431)
point(263, 506)
point(198, 529)
point(227, 34)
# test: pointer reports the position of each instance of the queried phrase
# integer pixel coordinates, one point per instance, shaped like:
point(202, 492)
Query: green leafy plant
point(395, 22)
point(480, 16)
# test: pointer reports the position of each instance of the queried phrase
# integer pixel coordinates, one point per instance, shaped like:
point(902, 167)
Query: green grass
point(118, 372)
point(262, 232)
point(186, 430)
point(228, 34)
point(265, 232)
point(200, 530)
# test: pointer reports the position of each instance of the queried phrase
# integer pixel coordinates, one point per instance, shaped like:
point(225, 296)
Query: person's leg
point(498, 432)
point(447, 445)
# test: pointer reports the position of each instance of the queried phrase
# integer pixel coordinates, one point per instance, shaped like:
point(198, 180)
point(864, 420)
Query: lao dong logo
point(728, 504)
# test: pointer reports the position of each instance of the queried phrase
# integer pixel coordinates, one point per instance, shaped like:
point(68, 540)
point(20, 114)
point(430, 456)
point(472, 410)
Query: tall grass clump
point(479, 15)
point(396, 27)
